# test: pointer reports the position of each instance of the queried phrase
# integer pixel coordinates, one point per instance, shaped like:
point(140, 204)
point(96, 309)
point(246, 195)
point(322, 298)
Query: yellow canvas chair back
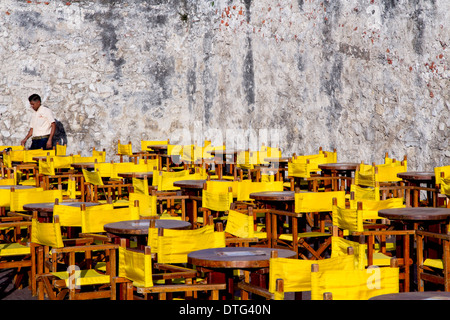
point(354, 284)
point(46, 168)
point(5, 195)
point(165, 179)
point(7, 159)
point(246, 187)
point(30, 154)
point(68, 216)
point(445, 186)
point(92, 177)
point(439, 175)
point(124, 149)
point(296, 273)
point(61, 162)
point(136, 266)
point(330, 156)
point(339, 247)
point(365, 175)
point(140, 185)
point(388, 172)
point(94, 218)
point(101, 155)
point(318, 201)
point(370, 208)
point(152, 164)
point(105, 169)
point(364, 193)
point(147, 204)
point(47, 234)
point(174, 245)
point(26, 196)
point(80, 159)
point(217, 200)
point(146, 145)
point(60, 149)
point(121, 167)
point(17, 155)
point(240, 225)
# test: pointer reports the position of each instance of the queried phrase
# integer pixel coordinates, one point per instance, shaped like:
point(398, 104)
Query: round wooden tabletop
point(425, 295)
point(140, 227)
point(48, 206)
point(417, 176)
point(273, 196)
point(277, 159)
point(190, 184)
point(416, 214)
point(140, 175)
point(236, 257)
point(344, 166)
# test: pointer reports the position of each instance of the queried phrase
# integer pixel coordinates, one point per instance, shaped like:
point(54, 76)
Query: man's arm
point(30, 133)
point(52, 133)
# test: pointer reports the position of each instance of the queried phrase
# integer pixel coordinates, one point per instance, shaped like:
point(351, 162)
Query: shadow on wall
point(60, 134)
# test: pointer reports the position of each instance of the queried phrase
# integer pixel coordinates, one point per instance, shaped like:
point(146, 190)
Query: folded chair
point(291, 277)
point(76, 279)
point(355, 284)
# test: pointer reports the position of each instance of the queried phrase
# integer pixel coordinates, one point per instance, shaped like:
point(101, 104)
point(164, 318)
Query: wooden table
point(277, 201)
point(84, 165)
point(346, 170)
point(420, 180)
point(138, 229)
point(140, 175)
point(425, 295)
point(219, 263)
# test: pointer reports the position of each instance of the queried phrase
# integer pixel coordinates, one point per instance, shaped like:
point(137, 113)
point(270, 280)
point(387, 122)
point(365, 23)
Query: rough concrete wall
point(365, 77)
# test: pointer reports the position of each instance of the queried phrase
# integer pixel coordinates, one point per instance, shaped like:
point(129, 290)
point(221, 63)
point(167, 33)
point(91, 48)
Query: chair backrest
point(370, 208)
point(30, 154)
point(105, 169)
point(339, 247)
point(438, 173)
point(296, 273)
point(246, 187)
point(240, 224)
point(353, 284)
point(46, 168)
point(80, 159)
point(318, 201)
point(124, 149)
point(151, 163)
point(217, 199)
point(46, 233)
point(18, 198)
point(99, 154)
point(136, 266)
point(174, 245)
point(61, 162)
point(140, 185)
point(359, 193)
point(388, 172)
point(94, 218)
point(69, 216)
point(92, 177)
point(164, 180)
point(147, 203)
point(147, 144)
point(60, 149)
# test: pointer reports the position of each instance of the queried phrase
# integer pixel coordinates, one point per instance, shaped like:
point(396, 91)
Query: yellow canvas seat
point(64, 281)
point(358, 284)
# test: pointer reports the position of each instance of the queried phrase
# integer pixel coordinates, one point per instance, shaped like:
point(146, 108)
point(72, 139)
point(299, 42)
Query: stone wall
point(365, 77)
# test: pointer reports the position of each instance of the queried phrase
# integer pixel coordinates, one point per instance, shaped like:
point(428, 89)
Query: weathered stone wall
point(365, 77)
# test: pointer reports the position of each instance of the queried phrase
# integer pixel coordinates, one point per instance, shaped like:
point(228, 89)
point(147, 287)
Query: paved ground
point(7, 290)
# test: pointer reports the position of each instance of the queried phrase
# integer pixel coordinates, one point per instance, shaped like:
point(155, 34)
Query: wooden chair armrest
point(255, 290)
point(95, 247)
point(93, 236)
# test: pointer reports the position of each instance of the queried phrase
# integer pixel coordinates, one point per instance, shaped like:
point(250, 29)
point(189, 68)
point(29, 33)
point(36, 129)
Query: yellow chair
point(314, 206)
point(93, 181)
point(217, 198)
point(295, 275)
point(241, 229)
point(124, 150)
point(65, 281)
point(100, 155)
point(137, 272)
point(433, 272)
point(147, 204)
point(355, 284)
point(15, 252)
point(60, 149)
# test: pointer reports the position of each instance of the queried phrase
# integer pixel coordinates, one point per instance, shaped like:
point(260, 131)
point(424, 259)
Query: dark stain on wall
point(191, 87)
point(249, 76)
point(109, 39)
point(32, 20)
point(208, 81)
